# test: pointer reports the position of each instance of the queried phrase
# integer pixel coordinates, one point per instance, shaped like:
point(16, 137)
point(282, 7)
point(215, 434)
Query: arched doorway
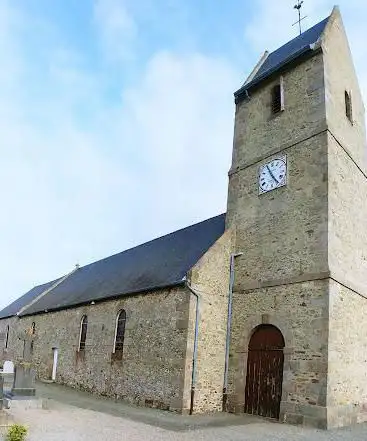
point(264, 377)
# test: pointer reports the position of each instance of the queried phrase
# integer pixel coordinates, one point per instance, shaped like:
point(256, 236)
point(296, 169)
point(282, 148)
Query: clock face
point(273, 174)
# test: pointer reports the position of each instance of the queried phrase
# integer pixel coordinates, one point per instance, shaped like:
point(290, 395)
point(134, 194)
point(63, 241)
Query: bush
point(16, 432)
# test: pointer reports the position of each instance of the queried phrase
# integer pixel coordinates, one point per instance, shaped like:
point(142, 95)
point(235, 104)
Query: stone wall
point(347, 229)
point(210, 278)
point(300, 312)
point(258, 133)
point(347, 234)
point(347, 364)
point(156, 369)
point(340, 76)
point(7, 353)
point(152, 370)
point(282, 276)
point(283, 233)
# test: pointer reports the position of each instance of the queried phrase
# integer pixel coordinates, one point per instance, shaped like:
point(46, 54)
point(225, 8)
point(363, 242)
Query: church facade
point(259, 310)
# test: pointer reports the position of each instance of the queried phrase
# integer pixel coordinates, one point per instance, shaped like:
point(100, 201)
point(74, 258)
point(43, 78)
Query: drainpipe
point(229, 323)
point(195, 354)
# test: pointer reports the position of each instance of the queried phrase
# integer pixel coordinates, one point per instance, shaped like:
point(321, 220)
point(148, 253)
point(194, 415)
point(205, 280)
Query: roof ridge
point(258, 65)
point(292, 50)
point(153, 240)
point(43, 293)
point(161, 262)
point(300, 36)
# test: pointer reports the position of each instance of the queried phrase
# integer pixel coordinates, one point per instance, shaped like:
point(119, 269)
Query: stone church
point(259, 310)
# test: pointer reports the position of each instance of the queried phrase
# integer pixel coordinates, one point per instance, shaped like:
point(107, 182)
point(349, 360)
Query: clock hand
point(271, 174)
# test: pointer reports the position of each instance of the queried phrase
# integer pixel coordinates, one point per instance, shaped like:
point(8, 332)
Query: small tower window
point(348, 106)
point(83, 333)
point(277, 97)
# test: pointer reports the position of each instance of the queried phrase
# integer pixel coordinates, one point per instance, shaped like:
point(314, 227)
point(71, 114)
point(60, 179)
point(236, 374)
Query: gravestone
point(24, 381)
point(8, 367)
point(24, 374)
point(8, 375)
point(5, 418)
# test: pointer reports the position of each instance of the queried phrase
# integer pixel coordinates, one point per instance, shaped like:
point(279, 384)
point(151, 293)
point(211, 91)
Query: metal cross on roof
point(298, 6)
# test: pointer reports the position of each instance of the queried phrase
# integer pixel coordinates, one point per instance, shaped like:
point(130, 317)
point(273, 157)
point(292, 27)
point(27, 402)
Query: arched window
point(7, 337)
point(348, 106)
point(33, 331)
point(120, 332)
point(83, 332)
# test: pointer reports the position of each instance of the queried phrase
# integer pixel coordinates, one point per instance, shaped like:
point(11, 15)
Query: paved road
point(75, 416)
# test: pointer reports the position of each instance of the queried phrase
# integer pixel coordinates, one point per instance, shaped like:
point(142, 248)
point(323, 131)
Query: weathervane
point(298, 6)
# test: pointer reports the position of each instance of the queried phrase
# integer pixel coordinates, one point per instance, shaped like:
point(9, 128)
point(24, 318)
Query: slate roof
point(27, 298)
point(156, 264)
point(285, 54)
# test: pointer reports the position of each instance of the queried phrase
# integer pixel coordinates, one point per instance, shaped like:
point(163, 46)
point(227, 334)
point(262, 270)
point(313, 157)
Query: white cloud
point(180, 118)
point(83, 178)
point(117, 28)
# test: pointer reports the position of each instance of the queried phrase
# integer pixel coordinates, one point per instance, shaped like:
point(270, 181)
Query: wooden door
point(264, 372)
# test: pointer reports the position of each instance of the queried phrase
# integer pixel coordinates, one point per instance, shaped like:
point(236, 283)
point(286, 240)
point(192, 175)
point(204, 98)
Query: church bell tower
point(297, 199)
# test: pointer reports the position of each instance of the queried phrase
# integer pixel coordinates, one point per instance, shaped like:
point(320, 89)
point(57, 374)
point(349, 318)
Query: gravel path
point(96, 419)
point(68, 423)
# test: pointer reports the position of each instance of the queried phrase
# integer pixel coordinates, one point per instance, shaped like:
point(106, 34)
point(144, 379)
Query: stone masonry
point(283, 235)
point(305, 243)
point(147, 375)
point(157, 360)
point(210, 278)
point(347, 234)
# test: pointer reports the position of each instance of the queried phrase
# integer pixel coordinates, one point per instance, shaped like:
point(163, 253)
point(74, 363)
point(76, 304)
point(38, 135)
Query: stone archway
point(240, 356)
point(264, 372)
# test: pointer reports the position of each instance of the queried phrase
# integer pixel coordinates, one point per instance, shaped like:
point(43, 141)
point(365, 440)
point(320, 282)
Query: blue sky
point(116, 119)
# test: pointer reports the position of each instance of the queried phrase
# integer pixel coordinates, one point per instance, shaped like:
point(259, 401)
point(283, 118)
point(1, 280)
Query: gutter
point(104, 299)
point(229, 324)
point(195, 354)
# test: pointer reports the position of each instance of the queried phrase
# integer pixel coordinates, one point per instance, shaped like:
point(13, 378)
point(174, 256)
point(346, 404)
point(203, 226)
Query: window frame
point(115, 350)
point(83, 323)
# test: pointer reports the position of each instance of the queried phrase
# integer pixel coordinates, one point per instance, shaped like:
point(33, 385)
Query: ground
point(78, 416)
